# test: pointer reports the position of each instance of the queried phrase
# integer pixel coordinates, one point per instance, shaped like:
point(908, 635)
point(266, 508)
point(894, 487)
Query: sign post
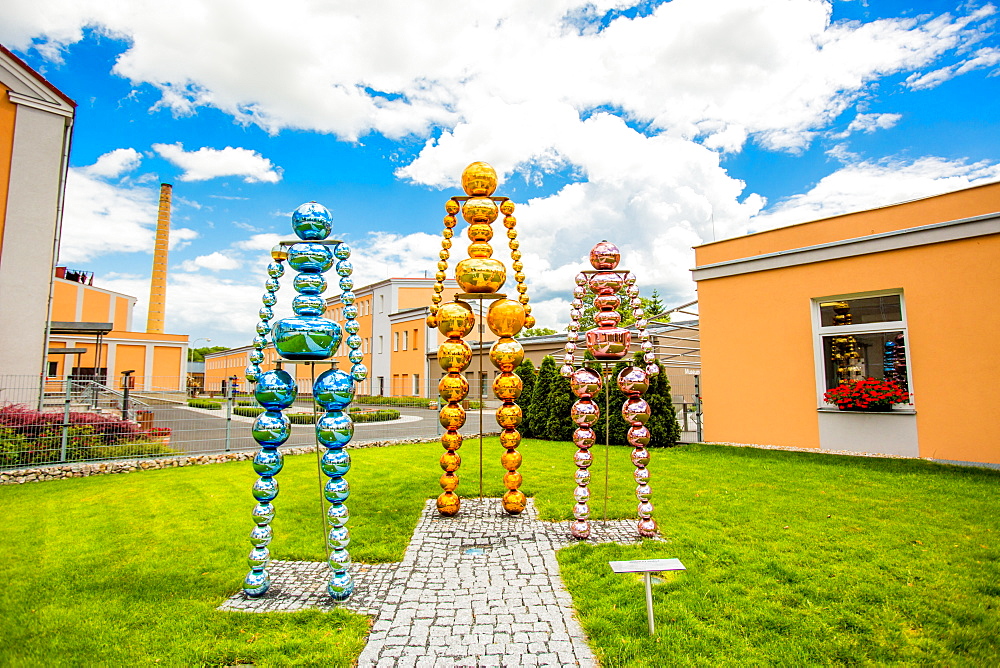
point(647, 566)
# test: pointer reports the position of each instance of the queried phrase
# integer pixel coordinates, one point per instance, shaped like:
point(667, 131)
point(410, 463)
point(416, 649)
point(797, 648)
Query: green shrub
point(246, 402)
point(380, 415)
point(205, 403)
point(410, 402)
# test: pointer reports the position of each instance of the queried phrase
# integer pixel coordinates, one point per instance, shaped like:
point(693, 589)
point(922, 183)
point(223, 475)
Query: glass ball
point(480, 210)
point(259, 342)
point(581, 494)
point(582, 476)
point(344, 268)
point(505, 354)
point(510, 439)
point(263, 328)
point(265, 313)
point(252, 373)
point(340, 561)
point(338, 538)
point(647, 527)
point(652, 369)
point(268, 462)
point(279, 252)
point(576, 305)
point(336, 462)
point(337, 514)
point(585, 412)
point(275, 270)
point(334, 390)
point(639, 437)
point(261, 535)
point(353, 327)
point(456, 319)
point(309, 305)
point(633, 380)
point(348, 298)
point(630, 279)
point(605, 283)
point(265, 489)
point(640, 456)
point(342, 251)
point(605, 255)
point(570, 347)
point(359, 372)
point(579, 292)
point(450, 461)
point(509, 416)
point(449, 222)
point(312, 221)
point(353, 341)
point(505, 317)
point(310, 258)
point(580, 529)
point(649, 358)
point(581, 279)
point(448, 504)
point(268, 299)
point(507, 207)
point(644, 336)
point(309, 284)
point(507, 386)
point(512, 480)
point(340, 587)
point(337, 490)
point(479, 179)
point(566, 370)
point(453, 387)
point(581, 511)
point(271, 428)
point(256, 583)
point(262, 513)
point(454, 354)
point(355, 356)
point(346, 283)
point(645, 509)
point(646, 346)
point(256, 357)
point(350, 311)
point(585, 382)
point(335, 429)
point(643, 492)
point(583, 458)
point(584, 437)
point(514, 501)
point(638, 313)
point(272, 285)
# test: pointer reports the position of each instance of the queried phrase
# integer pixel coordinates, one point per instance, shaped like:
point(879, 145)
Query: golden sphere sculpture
point(480, 276)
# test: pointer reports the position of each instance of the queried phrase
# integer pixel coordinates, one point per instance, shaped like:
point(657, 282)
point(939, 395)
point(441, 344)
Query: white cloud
point(104, 218)
point(115, 163)
point(214, 261)
point(866, 185)
point(869, 123)
point(209, 163)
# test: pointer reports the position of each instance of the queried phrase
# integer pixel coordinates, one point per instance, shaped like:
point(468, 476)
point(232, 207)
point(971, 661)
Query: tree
point(652, 306)
point(538, 413)
point(526, 372)
point(559, 426)
point(662, 424)
point(198, 354)
point(535, 331)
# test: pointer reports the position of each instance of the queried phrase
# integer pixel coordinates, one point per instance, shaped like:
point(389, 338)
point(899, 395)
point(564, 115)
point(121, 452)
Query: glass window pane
point(880, 355)
point(860, 311)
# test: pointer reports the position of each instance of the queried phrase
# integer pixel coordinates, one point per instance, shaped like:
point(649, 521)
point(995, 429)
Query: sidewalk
point(478, 589)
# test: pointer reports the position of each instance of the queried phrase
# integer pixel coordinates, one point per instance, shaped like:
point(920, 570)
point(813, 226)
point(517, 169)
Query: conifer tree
point(662, 424)
point(538, 414)
point(559, 426)
point(526, 372)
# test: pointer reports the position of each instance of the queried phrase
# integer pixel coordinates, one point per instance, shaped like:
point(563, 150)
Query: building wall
point(32, 175)
point(760, 378)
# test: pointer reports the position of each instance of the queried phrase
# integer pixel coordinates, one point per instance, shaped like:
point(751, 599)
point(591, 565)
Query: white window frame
point(867, 328)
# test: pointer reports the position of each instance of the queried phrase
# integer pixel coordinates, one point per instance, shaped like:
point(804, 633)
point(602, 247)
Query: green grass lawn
point(792, 559)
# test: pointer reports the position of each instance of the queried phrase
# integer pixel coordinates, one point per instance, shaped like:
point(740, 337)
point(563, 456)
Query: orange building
point(394, 342)
point(99, 321)
point(906, 292)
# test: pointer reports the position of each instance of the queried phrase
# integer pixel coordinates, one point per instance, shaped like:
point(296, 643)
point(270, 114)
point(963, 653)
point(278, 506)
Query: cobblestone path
point(478, 589)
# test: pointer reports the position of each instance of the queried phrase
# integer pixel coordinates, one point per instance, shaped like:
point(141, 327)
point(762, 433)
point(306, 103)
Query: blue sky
point(656, 125)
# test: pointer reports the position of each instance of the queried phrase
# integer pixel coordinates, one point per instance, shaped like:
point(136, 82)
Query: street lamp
point(191, 347)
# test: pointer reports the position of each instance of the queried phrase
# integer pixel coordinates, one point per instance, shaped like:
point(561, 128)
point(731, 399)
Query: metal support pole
point(697, 405)
point(229, 412)
point(649, 600)
point(65, 426)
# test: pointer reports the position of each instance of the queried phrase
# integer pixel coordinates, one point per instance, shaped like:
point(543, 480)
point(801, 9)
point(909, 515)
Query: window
point(381, 303)
point(862, 337)
point(381, 348)
point(406, 339)
point(416, 385)
point(395, 341)
point(415, 345)
point(53, 368)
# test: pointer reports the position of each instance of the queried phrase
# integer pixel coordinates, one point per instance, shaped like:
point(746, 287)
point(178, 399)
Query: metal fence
point(63, 421)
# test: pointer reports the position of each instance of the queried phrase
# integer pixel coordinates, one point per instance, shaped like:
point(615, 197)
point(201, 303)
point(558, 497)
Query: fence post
point(65, 425)
point(229, 411)
point(697, 405)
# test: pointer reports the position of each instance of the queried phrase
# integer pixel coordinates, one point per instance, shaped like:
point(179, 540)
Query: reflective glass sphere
point(251, 373)
point(265, 489)
point(350, 311)
point(336, 462)
point(344, 267)
point(268, 462)
point(275, 270)
point(581, 494)
point(309, 305)
point(455, 319)
point(514, 501)
point(347, 298)
point(276, 390)
point(479, 179)
point(505, 317)
point(309, 284)
point(306, 337)
point(261, 535)
point(337, 490)
point(585, 412)
point(337, 514)
point(256, 583)
point(342, 251)
point(640, 456)
point(355, 356)
point(341, 586)
point(338, 538)
point(340, 560)
point(647, 527)
point(256, 357)
point(354, 341)
point(258, 558)
point(334, 429)
point(262, 513)
point(263, 328)
point(584, 437)
point(268, 299)
point(271, 428)
point(334, 390)
point(310, 258)
point(583, 458)
point(353, 327)
point(448, 504)
point(271, 285)
point(605, 255)
point(585, 382)
point(633, 380)
point(359, 372)
point(312, 221)
point(580, 529)
point(265, 313)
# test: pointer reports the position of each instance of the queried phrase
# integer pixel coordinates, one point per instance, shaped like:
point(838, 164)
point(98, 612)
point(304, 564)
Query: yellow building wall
point(758, 359)
point(8, 114)
point(967, 203)
point(409, 361)
point(413, 297)
point(121, 314)
point(96, 306)
point(128, 357)
point(166, 362)
point(64, 299)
